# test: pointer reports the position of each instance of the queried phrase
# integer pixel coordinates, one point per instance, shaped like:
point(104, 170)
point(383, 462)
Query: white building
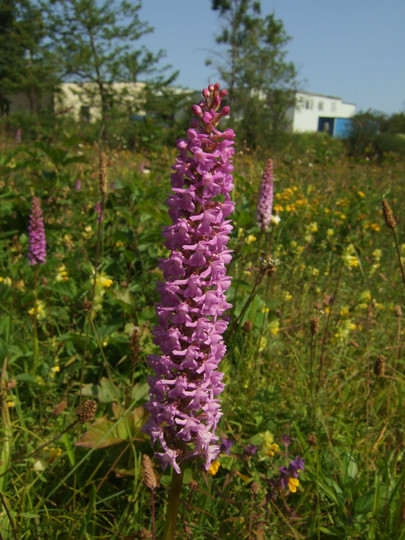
point(317, 112)
point(83, 102)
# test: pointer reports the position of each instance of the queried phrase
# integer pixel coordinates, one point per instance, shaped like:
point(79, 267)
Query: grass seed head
point(312, 439)
point(379, 366)
point(247, 326)
point(398, 311)
point(103, 173)
point(388, 215)
point(314, 325)
point(149, 476)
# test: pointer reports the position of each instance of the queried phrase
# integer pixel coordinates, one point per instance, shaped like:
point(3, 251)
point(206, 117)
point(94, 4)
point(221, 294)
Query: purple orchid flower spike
point(36, 235)
point(265, 199)
point(184, 404)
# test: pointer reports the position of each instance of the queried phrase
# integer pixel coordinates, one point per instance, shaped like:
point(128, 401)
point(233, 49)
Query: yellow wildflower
point(88, 232)
point(375, 227)
point(7, 281)
point(377, 254)
point(55, 369)
point(361, 194)
point(344, 311)
point(272, 450)
point(262, 343)
point(330, 233)
point(53, 453)
point(349, 258)
point(40, 310)
point(104, 281)
point(274, 327)
point(10, 404)
point(293, 484)
point(67, 239)
point(251, 238)
point(365, 296)
point(61, 275)
point(214, 467)
point(344, 330)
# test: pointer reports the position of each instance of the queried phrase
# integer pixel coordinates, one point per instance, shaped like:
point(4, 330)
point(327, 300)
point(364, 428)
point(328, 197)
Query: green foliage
point(25, 66)
point(334, 259)
point(261, 82)
point(375, 135)
point(94, 44)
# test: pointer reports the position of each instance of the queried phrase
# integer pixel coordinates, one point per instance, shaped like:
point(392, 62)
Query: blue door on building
point(326, 124)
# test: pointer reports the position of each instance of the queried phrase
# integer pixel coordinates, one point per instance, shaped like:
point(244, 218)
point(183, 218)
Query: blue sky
point(353, 49)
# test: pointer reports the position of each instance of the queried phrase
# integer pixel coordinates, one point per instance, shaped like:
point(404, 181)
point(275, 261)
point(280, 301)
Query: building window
point(333, 106)
point(308, 104)
point(320, 106)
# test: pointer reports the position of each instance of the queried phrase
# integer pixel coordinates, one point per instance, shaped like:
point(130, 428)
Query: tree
point(261, 82)
point(25, 65)
point(94, 44)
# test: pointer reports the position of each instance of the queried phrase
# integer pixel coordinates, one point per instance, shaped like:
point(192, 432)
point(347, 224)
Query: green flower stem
point(399, 256)
point(35, 320)
point(173, 505)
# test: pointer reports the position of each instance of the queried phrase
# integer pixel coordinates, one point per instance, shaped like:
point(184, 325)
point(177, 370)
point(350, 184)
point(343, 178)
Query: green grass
point(335, 260)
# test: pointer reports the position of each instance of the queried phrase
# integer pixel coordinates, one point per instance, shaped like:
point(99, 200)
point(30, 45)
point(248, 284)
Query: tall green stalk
point(173, 505)
point(35, 322)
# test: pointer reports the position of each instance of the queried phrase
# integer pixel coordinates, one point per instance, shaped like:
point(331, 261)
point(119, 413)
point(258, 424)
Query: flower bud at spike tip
point(197, 110)
point(184, 404)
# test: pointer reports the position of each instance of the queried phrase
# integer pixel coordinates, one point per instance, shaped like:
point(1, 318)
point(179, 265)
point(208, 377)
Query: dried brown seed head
point(398, 311)
point(247, 326)
point(87, 411)
point(379, 366)
point(388, 215)
point(312, 440)
point(86, 305)
point(314, 325)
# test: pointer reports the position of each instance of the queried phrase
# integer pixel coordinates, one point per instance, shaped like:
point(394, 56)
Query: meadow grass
point(314, 367)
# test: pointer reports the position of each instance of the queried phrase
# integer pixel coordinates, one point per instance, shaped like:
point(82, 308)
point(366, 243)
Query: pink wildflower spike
point(36, 235)
point(265, 199)
point(184, 403)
